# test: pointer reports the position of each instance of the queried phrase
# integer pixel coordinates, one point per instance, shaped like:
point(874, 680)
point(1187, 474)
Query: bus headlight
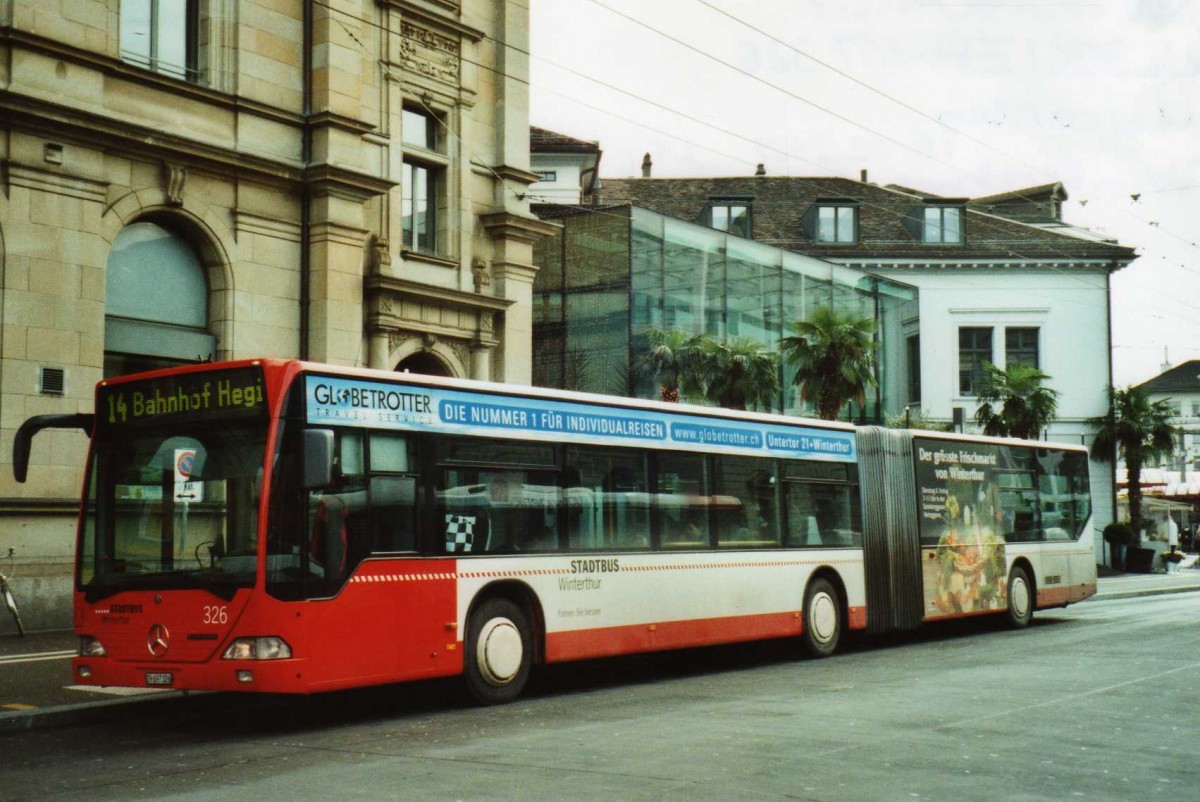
point(91, 647)
point(269, 648)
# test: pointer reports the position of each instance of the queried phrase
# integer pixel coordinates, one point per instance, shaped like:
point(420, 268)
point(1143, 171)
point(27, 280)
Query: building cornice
point(443, 296)
point(60, 123)
point(507, 225)
point(328, 179)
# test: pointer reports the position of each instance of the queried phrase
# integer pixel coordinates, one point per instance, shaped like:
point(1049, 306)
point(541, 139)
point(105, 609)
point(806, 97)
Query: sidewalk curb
point(1131, 594)
point(89, 712)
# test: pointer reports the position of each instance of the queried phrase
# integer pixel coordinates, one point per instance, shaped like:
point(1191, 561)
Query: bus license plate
point(161, 678)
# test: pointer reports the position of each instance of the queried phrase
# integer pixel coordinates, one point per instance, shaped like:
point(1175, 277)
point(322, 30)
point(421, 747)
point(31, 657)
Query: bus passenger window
point(606, 499)
point(744, 504)
point(682, 503)
point(393, 513)
point(821, 505)
point(499, 510)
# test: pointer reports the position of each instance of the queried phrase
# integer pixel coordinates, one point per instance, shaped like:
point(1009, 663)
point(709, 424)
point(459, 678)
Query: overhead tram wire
point(1004, 250)
point(758, 79)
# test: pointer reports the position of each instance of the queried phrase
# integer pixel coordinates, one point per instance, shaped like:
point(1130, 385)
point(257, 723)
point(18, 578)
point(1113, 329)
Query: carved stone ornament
point(486, 322)
point(427, 53)
point(175, 178)
point(479, 272)
point(429, 342)
point(462, 351)
point(385, 305)
point(381, 256)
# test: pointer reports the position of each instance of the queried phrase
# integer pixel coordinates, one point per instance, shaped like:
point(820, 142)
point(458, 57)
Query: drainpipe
point(1109, 343)
point(305, 158)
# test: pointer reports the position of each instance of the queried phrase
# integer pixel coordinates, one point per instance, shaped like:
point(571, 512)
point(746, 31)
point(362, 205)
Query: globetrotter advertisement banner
point(962, 527)
point(378, 405)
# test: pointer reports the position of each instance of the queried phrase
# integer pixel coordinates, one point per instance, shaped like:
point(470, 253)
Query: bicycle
point(9, 601)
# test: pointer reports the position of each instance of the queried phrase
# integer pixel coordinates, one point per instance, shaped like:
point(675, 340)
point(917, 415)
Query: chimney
point(646, 165)
point(762, 170)
point(863, 175)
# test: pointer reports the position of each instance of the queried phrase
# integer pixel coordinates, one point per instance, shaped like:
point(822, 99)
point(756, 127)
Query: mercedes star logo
point(159, 640)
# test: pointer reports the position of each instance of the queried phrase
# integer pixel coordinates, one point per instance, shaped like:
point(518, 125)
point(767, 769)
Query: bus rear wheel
point(1020, 598)
point(822, 619)
point(499, 650)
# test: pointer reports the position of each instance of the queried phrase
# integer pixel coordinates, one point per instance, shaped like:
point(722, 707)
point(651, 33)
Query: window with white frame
point(974, 349)
point(162, 36)
point(942, 224)
point(423, 181)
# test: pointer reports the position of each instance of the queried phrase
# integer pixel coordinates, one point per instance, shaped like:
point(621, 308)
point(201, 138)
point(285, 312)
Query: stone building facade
point(341, 181)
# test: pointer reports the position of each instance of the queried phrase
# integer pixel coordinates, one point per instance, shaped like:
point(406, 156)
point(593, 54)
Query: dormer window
point(939, 221)
point(731, 215)
point(833, 220)
point(942, 224)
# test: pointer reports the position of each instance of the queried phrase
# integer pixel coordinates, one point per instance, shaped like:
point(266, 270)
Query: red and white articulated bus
point(281, 526)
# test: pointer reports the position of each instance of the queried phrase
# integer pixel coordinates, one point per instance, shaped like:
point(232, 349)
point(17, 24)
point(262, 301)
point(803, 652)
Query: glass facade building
point(611, 272)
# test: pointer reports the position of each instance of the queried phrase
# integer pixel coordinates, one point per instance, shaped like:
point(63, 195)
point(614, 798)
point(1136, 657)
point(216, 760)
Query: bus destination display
point(216, 395)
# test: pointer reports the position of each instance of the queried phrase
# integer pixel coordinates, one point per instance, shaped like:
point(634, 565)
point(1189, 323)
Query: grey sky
point(1102, 96)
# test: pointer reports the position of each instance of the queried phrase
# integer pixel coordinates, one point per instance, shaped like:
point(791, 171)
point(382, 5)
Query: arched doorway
point(424, 363)
point(156, 302)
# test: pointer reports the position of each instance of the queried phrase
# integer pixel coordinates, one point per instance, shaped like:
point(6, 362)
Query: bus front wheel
point(499, 649)
point(822, 619)
point(1020, 598)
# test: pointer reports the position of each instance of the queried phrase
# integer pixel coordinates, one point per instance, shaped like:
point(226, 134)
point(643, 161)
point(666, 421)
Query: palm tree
point(834, 356)
point(1015, 401)
point(1138, 430)
point(738, 373)
point(670, 358)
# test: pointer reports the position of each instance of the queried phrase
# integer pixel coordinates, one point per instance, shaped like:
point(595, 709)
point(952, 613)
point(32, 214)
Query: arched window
point(156, 302)
point(423, 363)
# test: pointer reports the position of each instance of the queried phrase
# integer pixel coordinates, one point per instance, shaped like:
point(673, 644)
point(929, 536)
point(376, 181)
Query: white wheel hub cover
point(823, 617)
point(499, 651)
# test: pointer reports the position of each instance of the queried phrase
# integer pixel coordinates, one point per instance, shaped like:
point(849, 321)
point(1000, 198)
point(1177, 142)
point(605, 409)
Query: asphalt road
point(1098, 702)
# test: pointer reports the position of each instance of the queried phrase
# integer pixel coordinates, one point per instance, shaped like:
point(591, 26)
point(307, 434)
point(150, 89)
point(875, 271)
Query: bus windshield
point(173, 507)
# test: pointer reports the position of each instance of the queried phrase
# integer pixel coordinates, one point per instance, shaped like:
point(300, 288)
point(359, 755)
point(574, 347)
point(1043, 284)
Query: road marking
point(113, 690)
point(37, 657)
point(15, 706)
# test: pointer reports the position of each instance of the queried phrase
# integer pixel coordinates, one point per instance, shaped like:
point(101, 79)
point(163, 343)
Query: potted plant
point(1118, 535)
point(1171, 559)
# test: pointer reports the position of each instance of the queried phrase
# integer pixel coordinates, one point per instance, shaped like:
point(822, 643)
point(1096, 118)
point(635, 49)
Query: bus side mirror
point(318, 458)
point(23, 442)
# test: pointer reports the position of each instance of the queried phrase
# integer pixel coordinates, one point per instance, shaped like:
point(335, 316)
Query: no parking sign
point(185, 489)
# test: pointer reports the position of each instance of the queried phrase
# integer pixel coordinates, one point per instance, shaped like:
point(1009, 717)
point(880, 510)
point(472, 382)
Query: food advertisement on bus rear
point(961, 489)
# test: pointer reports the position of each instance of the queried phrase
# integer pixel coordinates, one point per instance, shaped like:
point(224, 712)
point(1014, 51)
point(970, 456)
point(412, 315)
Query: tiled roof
point(1179, 379)
point(543, 141)
point(1029, 193)
point(885, 230)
